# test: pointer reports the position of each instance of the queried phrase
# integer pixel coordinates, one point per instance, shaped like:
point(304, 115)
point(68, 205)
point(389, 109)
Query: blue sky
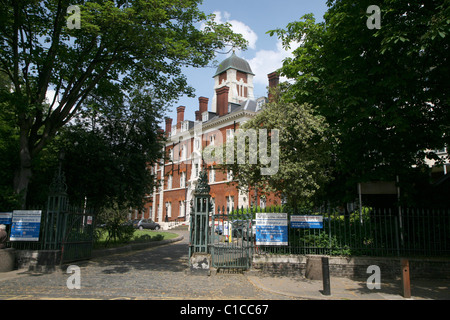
point(252, 18)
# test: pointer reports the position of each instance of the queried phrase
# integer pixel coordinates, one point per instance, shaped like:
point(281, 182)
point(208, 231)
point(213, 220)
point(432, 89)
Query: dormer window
point(185, 126)
point(205, 116)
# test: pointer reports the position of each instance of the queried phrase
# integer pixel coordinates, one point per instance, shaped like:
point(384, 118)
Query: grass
point(139, 236)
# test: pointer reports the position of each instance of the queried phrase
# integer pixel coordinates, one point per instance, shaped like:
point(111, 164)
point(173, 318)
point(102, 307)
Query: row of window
point(212, 177)
point(183, 147)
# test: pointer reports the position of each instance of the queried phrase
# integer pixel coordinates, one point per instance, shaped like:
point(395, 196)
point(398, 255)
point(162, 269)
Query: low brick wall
point(38, 260)
point(7, 259)
point(350, 267)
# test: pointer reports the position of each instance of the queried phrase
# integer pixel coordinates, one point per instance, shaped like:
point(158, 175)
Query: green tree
point(120, 46)
point(384, 91)
point(303, 151)
point(9, 138)
point(108, 154)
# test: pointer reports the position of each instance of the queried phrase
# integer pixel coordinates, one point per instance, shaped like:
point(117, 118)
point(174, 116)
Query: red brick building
point(233, 103)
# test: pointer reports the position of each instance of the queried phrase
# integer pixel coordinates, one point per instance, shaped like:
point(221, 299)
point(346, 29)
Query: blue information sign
point(25, 225)
point(307, 222)
point(271, 229)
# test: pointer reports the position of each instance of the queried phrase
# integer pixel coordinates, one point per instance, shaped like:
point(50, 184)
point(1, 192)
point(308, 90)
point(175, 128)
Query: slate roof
point(234, 62)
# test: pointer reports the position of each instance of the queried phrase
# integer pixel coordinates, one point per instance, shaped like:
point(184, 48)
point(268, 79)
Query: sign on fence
point(25, 225)
point(5, 217)
point(307, 222)
point(271, 229)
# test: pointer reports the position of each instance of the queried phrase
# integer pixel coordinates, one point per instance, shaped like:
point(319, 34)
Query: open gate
point(231, 240)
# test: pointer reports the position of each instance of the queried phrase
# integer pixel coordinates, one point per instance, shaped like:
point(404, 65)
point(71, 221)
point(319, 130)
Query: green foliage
point(123, 52)
point(114, 219)
point(303, 152)
point(382, 91)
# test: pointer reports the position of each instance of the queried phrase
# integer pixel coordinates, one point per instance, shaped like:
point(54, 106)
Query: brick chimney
point(203, 104)
point(180, 116)
point(222, 100)
point(168, 126)
point(198, 116)
point(274, 80)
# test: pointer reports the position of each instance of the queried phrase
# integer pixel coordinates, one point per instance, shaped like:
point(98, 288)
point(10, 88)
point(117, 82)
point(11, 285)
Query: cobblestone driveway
point(156, 273)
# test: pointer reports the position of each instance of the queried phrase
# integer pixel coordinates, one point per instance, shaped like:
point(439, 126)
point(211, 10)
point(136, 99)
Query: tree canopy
point(299, 144)
point(384, 92)
point(117, 48)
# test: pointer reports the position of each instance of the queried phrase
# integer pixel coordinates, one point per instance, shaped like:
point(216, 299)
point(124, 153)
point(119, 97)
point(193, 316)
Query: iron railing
point(366, 232)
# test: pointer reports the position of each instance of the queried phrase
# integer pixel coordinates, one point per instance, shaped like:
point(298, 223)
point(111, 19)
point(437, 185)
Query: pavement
point(161, 273)
point(349, 289)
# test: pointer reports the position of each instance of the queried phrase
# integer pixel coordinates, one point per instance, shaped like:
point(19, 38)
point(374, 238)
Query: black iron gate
point(232, 239)
point(69, 229)
point(78, 235)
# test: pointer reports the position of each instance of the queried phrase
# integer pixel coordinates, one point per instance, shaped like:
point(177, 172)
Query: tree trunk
point(23, 174)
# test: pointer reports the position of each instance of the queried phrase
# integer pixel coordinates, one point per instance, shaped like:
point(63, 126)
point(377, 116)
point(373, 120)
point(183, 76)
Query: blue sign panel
point(307, 222)
point(25, 225)
point(5, 217)
point(271, 229)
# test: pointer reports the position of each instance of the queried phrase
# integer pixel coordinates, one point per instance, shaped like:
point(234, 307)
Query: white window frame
point(169, 181)
point(212, 175)
point(183, 180)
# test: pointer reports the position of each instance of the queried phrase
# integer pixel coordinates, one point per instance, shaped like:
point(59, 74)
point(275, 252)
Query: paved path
point(160, 273)
point(156, 273)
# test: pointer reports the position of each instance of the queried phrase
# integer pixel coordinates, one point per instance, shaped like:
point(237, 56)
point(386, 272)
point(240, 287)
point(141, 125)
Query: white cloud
point(238, 27)
point(268, 61)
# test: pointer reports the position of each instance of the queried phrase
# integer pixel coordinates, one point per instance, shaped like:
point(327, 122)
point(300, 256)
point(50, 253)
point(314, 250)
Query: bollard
point(326, 276)
point(406, 284)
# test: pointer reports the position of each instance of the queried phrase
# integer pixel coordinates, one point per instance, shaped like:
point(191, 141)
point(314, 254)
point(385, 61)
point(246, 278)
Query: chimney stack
point(222, 100)
point(180, 116)
point(168, 126)
point(274, 80)
point(203, 103)
point(198, 116)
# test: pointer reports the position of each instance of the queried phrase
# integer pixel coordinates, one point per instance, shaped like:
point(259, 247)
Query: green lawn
point(139, 236)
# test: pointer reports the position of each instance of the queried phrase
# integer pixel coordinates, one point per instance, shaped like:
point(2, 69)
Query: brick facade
point(233, 104)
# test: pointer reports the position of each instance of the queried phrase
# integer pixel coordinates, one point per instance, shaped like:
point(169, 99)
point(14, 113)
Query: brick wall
point(352, 267)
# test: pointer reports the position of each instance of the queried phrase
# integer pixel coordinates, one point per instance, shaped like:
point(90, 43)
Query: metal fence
point(69, 230)
point(368, 232)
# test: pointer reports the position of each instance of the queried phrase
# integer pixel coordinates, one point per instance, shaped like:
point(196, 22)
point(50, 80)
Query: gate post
point(199, 256)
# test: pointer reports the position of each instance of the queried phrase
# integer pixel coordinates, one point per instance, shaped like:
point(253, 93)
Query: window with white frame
point(229, 174)
point(171, 154)
point(185, 126)
point(183, 152)
point(181, 206)
point(230, 203)
point(212, 175)
point(169, 181)
point(169, 209)
point(262, 202)
point(183, 180)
